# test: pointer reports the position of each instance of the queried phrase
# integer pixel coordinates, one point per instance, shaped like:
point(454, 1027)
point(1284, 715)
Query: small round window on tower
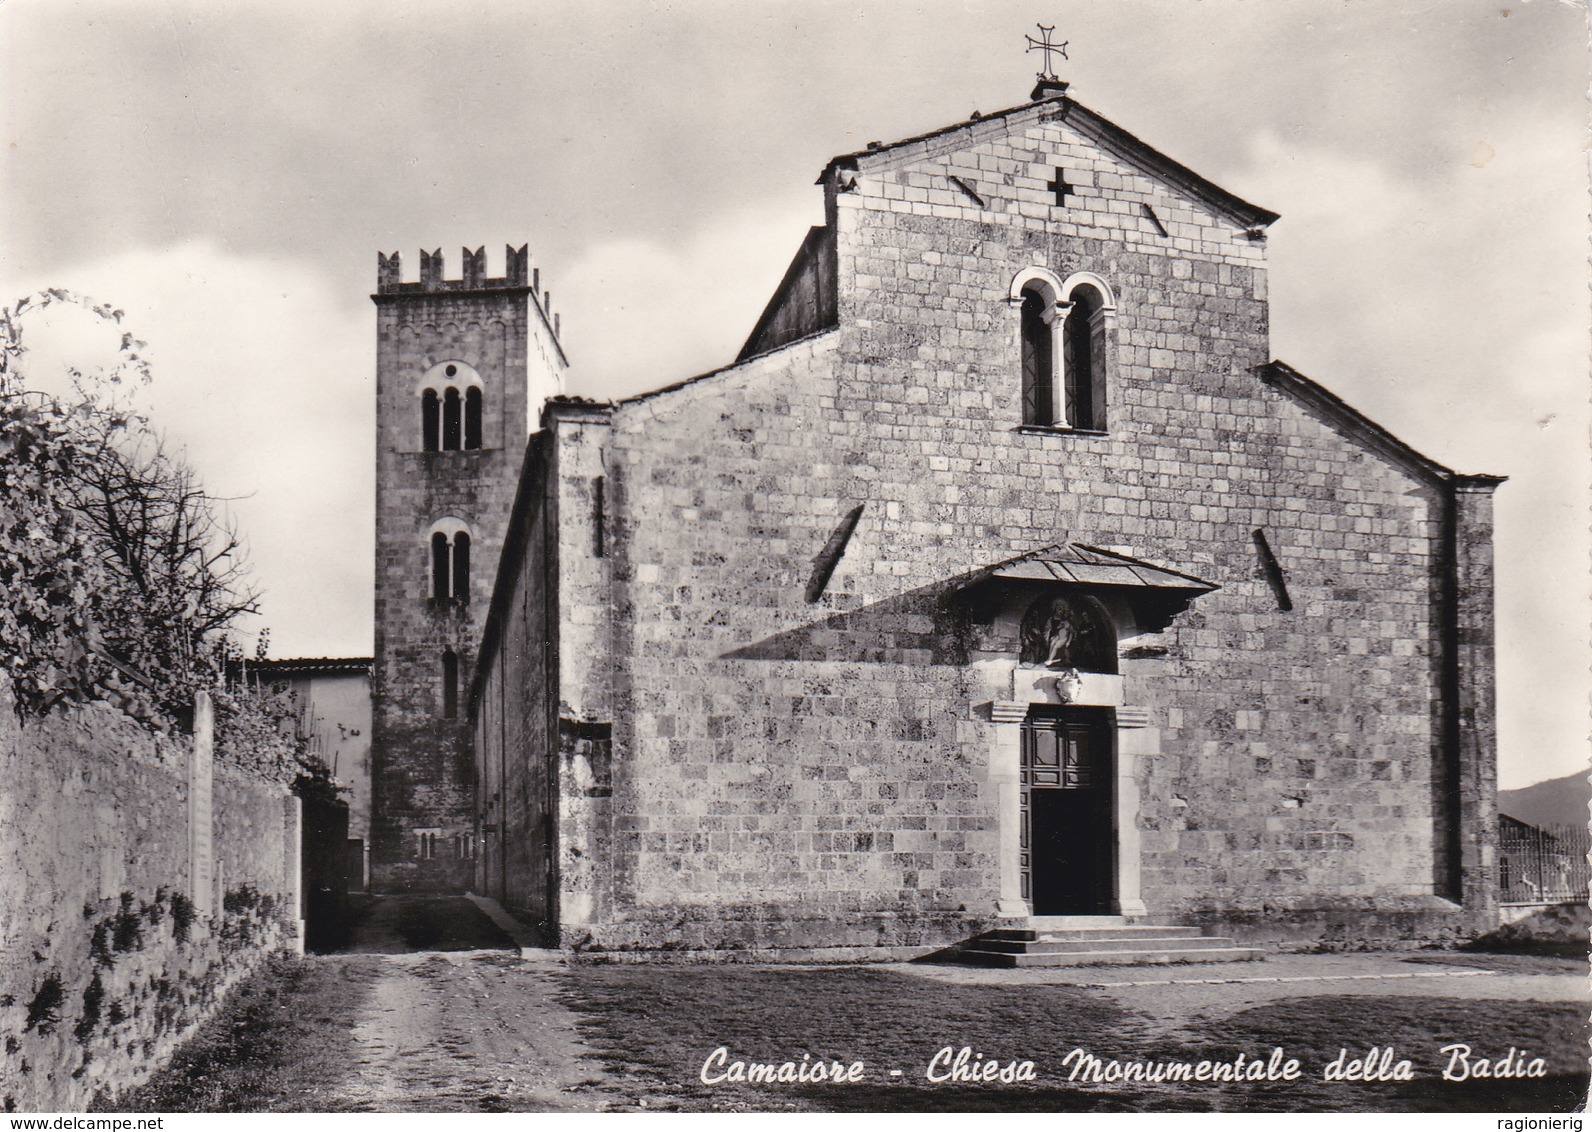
point(452, 371)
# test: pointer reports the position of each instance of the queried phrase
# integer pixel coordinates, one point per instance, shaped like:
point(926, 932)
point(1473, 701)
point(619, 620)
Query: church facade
point(1004, 574)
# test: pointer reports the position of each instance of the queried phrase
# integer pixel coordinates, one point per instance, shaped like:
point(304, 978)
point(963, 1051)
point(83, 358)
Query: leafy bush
point(118, 575)
point(48, 569)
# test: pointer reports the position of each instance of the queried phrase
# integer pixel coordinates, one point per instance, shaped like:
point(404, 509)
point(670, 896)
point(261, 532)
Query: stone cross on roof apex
point(1050, 84)
point(1044, 45)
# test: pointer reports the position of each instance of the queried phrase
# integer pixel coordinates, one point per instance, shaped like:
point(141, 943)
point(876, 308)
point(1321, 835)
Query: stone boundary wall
point(109, 957)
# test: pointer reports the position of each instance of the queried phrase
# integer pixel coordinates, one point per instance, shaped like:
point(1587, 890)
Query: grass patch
point(1505, 964)
point(279, 1036)
point(1317, 1029)
point(653, 1027)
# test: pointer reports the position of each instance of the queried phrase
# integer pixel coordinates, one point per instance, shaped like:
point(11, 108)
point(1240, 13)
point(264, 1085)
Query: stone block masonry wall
point(514, 710)
point(801, 773)
point(542, 708)
point(107, 958)
point(784, 775)
point(1299, 749)
point(589, 873)
point(423, 795)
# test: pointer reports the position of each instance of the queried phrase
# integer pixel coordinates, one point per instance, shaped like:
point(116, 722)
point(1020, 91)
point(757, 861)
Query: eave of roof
point(738, 363)
point(317, 665)
point(1078, 564)
point(1107, 133)
point(1280, 375)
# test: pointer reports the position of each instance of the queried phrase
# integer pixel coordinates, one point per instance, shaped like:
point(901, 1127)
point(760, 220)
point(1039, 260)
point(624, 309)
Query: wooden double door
point(1067, 812)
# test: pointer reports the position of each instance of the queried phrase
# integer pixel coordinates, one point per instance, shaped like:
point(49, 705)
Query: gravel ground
point(443, 1005)
point(1216, 990)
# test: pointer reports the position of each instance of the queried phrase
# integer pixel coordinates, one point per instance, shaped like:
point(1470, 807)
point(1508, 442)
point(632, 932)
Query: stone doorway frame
point(1135, 740)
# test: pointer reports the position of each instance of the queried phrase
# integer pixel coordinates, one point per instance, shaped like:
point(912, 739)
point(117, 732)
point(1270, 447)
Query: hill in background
point(1558, 801)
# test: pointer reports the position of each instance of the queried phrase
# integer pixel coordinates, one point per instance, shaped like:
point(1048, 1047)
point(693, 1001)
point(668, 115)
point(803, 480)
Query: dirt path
point(455, 1021)
point(467, 1031)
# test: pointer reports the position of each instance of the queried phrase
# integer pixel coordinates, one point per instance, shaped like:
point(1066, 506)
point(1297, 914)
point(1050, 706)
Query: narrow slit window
point(461, 567)
point(441, 586)
point(472, 418)
point(450, 684)
point(450, 420)
point(1149, 214)
point(429, 420)
point(829, 557)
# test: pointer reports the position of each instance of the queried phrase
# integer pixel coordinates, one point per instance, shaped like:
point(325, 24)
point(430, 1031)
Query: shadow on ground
point(402, 925)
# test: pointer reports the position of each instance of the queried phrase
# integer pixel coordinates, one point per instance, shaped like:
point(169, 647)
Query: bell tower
point(460, 363)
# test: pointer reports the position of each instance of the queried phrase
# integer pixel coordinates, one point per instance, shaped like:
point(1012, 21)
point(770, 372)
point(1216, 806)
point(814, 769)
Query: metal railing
point(1543, 865)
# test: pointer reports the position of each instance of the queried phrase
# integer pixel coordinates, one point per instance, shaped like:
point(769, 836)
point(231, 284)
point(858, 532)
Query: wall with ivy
point(108, 958)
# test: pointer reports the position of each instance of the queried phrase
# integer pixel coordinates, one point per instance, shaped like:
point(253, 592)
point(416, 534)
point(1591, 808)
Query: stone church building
point(1003, 574)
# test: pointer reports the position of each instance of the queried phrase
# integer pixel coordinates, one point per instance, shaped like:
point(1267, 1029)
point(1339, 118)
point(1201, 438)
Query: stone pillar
point(1477, 753)
point(583, 514)
point(1005, 772)
point(201, 817)
point(1135, 738)
point(293, 869)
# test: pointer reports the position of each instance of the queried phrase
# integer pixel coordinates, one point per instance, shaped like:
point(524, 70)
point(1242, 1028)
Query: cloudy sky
point(226, 173)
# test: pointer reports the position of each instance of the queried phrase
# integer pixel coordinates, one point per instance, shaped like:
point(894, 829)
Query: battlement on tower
point(517, 275)
point(390, 281)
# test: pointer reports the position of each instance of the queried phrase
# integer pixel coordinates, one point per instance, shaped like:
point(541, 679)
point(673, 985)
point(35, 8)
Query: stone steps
point(1077, 941)
point(1125, 933)
point(1048, 946)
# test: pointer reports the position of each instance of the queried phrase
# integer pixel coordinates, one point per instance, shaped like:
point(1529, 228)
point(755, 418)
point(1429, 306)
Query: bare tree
point(174, 562)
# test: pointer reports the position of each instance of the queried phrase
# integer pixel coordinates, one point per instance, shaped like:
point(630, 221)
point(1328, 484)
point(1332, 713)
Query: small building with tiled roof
point(334, 705)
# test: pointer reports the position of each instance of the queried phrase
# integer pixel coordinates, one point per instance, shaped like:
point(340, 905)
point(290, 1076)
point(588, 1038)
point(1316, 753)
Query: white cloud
point(643, 313)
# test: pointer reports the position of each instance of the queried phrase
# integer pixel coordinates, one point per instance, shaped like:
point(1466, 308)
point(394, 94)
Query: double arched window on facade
point(450, 562)
point(1067, 331)
point(450, 408)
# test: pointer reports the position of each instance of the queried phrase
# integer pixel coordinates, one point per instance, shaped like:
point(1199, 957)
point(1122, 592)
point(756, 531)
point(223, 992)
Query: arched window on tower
point(461, 567)
point(449, 542)
point(452, 408)
point(472, 417)
point(430, 422)
point(1039, 366)
point(450, 684)
point(1085, 350)
point(450, 420)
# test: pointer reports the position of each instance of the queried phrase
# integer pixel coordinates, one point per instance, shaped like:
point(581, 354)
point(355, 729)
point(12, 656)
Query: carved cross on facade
point(1044, 45)
point(1060, 187)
